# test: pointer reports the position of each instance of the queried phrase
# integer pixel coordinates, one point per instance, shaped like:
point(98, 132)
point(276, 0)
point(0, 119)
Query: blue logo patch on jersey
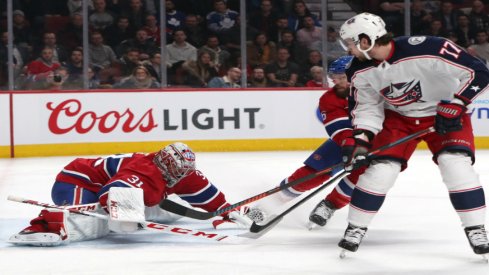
point(415, 40)
point(400, 94)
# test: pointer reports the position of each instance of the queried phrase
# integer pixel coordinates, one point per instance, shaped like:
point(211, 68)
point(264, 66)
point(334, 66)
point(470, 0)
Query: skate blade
point(485, 259)
point(343, 254)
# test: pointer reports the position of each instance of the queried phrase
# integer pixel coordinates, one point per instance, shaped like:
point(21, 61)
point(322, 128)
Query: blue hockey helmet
point(340, 65)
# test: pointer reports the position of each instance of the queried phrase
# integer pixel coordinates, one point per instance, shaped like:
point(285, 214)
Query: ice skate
point(320, 215)
point(477, 237)
point(45, 230)
point(35, 238)
point(36, 235)
point(352, 239)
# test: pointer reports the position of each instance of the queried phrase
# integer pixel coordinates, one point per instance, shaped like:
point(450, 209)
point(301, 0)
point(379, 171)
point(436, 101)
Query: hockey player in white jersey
point(400, 86)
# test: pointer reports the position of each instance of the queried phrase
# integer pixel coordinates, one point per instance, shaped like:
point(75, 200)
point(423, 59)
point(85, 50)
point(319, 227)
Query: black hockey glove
point(449, 117)
point(355, 149)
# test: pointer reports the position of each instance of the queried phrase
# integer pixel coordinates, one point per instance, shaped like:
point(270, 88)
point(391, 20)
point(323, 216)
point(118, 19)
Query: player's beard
point(341, 91)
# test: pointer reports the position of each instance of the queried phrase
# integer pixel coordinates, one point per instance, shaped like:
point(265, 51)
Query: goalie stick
point(263, 228)
point(160, 227)
point(181, 210)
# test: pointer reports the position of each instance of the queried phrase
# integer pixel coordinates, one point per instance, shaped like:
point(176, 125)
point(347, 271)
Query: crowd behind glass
point(203, 41)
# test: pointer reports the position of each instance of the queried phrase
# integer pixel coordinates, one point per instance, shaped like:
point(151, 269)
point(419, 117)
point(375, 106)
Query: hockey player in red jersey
point(168, 172)
point(401, 86)
point(333, 107)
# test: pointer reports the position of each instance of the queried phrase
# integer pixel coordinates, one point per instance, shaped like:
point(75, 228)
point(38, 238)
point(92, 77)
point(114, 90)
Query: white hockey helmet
point(175, 161)
point(364, 23)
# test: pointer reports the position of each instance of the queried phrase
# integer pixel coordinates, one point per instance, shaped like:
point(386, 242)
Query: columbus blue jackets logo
point(404, 93)
point(415, 40)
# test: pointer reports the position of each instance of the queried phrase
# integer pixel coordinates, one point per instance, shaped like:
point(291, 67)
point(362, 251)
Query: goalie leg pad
point(466, 192)
point(369, 194)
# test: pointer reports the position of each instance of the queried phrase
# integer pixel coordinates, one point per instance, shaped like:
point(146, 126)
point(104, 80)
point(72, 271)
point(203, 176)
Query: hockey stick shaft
point(255, 228)
point(163, 228)
point(179, 209)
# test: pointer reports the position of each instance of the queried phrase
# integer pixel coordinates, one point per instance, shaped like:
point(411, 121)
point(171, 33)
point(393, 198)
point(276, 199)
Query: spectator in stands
point(141, 41)
point(222, 19)
point(479, 20)
point(75, 63)
point(448, 15)
point(219, 56)
point(452, 36)
point(43, 67)
point(22, 29)
point(258, 78)
point(72, 36)
point(230, 80)
point(135, 13)
point(118, 32)
point(335, 50)
point(21, 53)
point(392, 13)
point(196, 33)
point(314, 58)
point(481, 46)
point(280, 25)
point(310, 33)
point(179, 51)
point(152, 29)
point(151, 6)
point(431, 6)
point(317, 77)
point(420, 18)
point(435, 29)
point(282, 73)
point(296, 17)
point(140, 79)
point(17, 57)
point(100, 18)
point(465, 34)
point(199, 73)
point(153, 65)
point(232, 40)
point(49, 41)
point(174, 18)
point(261, 51)
point(101, 55)
point(127, 63)
point(264, 19)
point(297, 52)
point(76, 6)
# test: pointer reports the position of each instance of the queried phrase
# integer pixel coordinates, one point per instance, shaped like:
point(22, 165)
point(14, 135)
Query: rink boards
point(106, 121)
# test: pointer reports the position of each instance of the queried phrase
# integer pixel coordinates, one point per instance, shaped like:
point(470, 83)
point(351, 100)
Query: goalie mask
point(175, 161)
point(365, 23)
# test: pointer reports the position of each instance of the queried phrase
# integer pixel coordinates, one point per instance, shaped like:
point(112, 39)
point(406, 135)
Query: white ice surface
point(416, 231)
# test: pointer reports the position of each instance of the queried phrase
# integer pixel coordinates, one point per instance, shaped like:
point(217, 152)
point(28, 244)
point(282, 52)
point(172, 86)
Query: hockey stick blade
point(181, 210)
point(153, 226)
point(257, 228)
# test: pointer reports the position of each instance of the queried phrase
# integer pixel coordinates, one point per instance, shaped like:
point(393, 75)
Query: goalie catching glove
point(234, 220)
point(449, 116)
point(355, 149)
